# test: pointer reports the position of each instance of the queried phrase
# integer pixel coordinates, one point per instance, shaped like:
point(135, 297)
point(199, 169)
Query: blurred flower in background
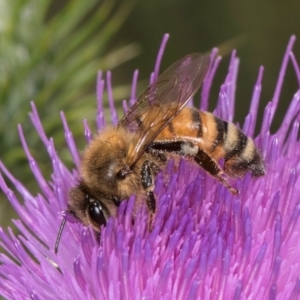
point(205, 244)
point(50, 53)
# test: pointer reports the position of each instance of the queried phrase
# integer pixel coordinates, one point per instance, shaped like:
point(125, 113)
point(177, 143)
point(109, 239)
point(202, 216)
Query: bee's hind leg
point(147, 183)
point(208, 164)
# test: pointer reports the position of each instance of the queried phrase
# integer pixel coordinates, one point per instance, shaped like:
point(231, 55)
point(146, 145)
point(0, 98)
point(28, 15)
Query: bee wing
point(162, 101)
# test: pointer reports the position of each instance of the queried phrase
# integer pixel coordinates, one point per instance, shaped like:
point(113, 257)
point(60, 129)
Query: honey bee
point(125, 160)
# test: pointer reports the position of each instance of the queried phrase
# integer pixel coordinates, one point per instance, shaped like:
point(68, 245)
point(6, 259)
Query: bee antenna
point(61, 228)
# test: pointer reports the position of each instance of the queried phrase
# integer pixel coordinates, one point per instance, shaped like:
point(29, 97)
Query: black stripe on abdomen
point(222, 128)
point(239, 146)
point(197, 122)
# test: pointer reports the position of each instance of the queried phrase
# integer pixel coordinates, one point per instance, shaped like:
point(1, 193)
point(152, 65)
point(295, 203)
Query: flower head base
point(205, 243)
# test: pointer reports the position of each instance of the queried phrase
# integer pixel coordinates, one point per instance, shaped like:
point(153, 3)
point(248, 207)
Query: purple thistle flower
point(205, 244)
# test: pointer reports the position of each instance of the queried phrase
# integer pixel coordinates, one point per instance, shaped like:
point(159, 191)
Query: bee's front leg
point(147, 183)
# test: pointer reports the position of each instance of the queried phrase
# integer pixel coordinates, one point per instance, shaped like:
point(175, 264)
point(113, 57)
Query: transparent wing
point(162, 101)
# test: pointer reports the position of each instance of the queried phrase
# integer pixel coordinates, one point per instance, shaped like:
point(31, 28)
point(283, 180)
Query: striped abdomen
point(217, 138)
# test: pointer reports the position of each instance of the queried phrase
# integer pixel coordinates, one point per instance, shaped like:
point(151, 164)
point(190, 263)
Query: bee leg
point(212, 167)
point(188, 149)
point(147, 183)
point(151, 204)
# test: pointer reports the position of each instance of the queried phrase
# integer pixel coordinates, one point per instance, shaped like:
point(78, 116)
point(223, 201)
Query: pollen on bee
point(189, 149)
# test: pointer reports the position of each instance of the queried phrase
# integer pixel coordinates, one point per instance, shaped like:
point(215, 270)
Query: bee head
point(90, 210)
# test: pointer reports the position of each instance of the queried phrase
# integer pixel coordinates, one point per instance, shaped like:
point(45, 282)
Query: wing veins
point(162, 102)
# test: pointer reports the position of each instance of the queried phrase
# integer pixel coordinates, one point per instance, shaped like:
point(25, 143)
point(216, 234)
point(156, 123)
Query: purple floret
point(205, 244)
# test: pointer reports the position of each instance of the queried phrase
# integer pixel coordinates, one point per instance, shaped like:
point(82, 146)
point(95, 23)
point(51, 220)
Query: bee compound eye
point(95, 211)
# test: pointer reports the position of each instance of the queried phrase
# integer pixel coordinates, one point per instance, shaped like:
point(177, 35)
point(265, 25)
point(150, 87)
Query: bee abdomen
point(235, 142)
point(241, 154)
point(224, 140)
point(217, 138)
